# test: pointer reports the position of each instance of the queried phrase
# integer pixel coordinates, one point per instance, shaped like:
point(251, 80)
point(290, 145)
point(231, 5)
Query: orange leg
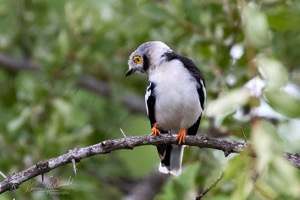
point(155, 130)
point(181, 136)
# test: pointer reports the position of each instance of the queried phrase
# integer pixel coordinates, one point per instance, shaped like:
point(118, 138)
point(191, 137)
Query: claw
point(181, 137)
point(155, 130)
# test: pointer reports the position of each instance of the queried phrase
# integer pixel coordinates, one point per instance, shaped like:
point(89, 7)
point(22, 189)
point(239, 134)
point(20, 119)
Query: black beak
point(131, 71)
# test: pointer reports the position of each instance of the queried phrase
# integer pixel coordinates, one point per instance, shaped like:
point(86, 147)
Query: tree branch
point(16, 65)
point(13, 181)
point(293, 158)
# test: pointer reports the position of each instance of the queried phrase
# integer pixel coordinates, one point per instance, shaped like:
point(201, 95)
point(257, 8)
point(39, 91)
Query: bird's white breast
point(177, 103)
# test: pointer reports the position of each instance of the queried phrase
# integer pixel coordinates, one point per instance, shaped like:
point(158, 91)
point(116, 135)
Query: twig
point(74, 166)
point(3, 175)
point(210, 187)
point(123, 133)
point(13, 197)
point(245, 138)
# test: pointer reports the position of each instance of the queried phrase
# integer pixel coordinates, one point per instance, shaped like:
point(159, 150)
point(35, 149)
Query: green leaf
point(237, 171)
point(265, 189)
point(63, 43)
point(228, 103)
point(283, 102)
point(18, 122)
point(271, 167)
point(285, 176)
point(63, 108)
point(244, 186)
point(255, 27)
point(277, 77)
point(235, 166)
point(273, 71)
point(263, 141)
point(284, 19)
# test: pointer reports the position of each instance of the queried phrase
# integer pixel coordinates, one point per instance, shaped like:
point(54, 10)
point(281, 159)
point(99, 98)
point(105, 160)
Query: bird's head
point(147, 57)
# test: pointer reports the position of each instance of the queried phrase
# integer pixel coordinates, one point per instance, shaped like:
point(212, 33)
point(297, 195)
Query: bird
point(175, 97)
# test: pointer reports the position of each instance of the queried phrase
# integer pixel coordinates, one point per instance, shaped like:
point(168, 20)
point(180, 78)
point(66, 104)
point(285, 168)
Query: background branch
point(132, 102)
point(14, 64)
point(147, 187)
point(14, 180)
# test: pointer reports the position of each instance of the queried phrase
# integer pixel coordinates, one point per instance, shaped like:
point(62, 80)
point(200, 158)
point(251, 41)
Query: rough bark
point(13, 181)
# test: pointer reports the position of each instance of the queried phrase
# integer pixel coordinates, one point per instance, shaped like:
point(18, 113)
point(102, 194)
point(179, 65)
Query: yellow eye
point(137, 59)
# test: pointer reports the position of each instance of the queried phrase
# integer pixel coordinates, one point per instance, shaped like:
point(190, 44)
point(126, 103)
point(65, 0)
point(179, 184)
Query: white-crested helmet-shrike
point(175, 97)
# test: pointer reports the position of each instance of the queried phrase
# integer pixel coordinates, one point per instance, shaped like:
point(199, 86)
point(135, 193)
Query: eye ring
point(137, 59)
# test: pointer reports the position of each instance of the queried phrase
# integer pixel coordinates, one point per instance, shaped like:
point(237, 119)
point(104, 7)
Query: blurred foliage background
point(62, 85)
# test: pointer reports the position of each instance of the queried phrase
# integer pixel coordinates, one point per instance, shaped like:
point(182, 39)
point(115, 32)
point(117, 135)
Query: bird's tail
point(171, 158)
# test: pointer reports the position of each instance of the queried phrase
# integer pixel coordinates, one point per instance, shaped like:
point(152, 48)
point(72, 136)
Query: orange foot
point(181, 136)
point(155, 130)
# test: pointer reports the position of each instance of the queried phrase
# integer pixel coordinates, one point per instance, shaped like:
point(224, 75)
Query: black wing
point(150, 102)
point(163, 150)
point(197, 75)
